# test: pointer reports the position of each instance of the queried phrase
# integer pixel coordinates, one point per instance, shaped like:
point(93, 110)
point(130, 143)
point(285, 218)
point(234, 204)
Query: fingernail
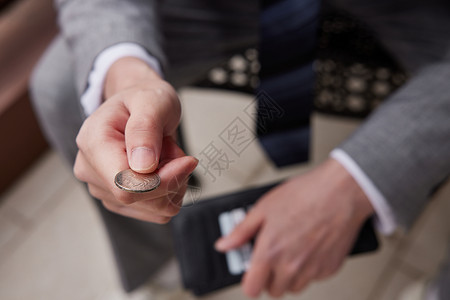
point(221, 244)
point(195, 166)
point(142, 159)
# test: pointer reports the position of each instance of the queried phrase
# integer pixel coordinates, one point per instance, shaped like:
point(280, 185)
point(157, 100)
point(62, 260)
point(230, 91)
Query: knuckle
point(300, 284)
point(81, 136)
point(161, 220)
point(273, 254)
point(268, 258)
point(174, 185)
point(79, 139)
point(158, 204)
point(165, 207)
point(298, 288)
point(77, 172)
point(123, 198)
point(172, 210)
point(94, 192)
point(327, 273)
point(88, 136)
point(110, 207)
point(166, 90)
point(312, 273)
point(291, 269)
point(177, 201)
point(165, 87)
point(330, 270)
point(275, 292)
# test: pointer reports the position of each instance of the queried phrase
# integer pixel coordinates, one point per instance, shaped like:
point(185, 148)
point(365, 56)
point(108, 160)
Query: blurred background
point(52, 243)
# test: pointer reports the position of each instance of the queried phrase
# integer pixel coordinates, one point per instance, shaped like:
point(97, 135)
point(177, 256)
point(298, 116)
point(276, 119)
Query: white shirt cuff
point(92, 97)
point(384, 218)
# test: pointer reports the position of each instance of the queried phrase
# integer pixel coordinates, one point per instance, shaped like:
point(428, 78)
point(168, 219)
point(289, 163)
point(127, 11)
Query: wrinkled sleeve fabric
point(91, 26)
point(404, 147)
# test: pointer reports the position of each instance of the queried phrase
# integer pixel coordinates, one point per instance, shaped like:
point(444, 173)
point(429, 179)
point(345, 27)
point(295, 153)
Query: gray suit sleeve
point(90, 26)
point(404, 147)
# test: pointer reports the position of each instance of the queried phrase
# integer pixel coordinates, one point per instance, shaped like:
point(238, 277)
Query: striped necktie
point(288, 35)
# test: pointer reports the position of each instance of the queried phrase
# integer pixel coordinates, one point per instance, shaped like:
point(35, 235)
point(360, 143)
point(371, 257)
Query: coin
point(133, 182)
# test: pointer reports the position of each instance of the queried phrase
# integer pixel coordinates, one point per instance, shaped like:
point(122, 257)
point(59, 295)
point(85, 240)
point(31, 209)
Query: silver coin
point(133, 182)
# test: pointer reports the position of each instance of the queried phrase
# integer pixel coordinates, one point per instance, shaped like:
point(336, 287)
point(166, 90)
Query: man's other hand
point(304, 229)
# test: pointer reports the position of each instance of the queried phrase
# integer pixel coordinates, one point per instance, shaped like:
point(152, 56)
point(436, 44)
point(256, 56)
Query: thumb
point(241, 234)
point(143, 139)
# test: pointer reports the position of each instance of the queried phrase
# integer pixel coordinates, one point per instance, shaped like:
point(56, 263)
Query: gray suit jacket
point(404, 147)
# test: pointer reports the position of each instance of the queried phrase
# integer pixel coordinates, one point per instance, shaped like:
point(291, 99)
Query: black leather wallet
point(196, 228)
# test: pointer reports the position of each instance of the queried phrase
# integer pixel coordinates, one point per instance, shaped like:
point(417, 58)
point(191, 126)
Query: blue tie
point(288, 30)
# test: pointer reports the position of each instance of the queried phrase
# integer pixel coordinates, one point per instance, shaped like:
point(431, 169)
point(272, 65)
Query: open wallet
point(197, 227)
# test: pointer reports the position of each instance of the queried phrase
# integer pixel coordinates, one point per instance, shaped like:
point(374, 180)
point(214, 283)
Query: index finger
point(258, 275)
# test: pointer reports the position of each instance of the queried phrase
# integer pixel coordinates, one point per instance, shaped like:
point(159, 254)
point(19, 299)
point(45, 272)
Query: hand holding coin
point(134, 128)
point(153, 197)
point(134, 182)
